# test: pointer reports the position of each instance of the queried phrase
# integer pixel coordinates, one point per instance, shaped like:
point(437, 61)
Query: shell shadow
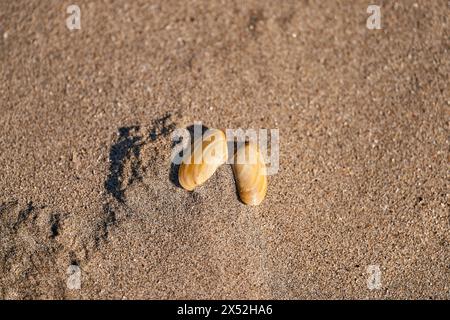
point(174, 168)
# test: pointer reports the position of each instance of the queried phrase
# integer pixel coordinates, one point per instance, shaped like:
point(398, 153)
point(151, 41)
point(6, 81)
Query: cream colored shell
point(250, 174)
point(207, 154)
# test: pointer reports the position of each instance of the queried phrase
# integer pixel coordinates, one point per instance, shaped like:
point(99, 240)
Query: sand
point(85, 143)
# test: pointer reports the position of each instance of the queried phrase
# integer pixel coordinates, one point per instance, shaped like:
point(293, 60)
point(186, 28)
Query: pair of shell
point(211, 151)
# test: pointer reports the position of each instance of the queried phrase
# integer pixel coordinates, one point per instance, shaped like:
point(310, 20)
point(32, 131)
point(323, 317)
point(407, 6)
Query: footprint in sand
point(205, 243)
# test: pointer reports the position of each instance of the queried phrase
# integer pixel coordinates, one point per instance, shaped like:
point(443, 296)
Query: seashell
point(207, 154)
point(250, 174)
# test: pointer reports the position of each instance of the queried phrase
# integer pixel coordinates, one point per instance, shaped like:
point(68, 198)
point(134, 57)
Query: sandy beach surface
point(86, 181)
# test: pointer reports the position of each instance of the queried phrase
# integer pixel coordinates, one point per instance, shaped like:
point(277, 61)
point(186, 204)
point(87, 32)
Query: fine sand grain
point(86, 118)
